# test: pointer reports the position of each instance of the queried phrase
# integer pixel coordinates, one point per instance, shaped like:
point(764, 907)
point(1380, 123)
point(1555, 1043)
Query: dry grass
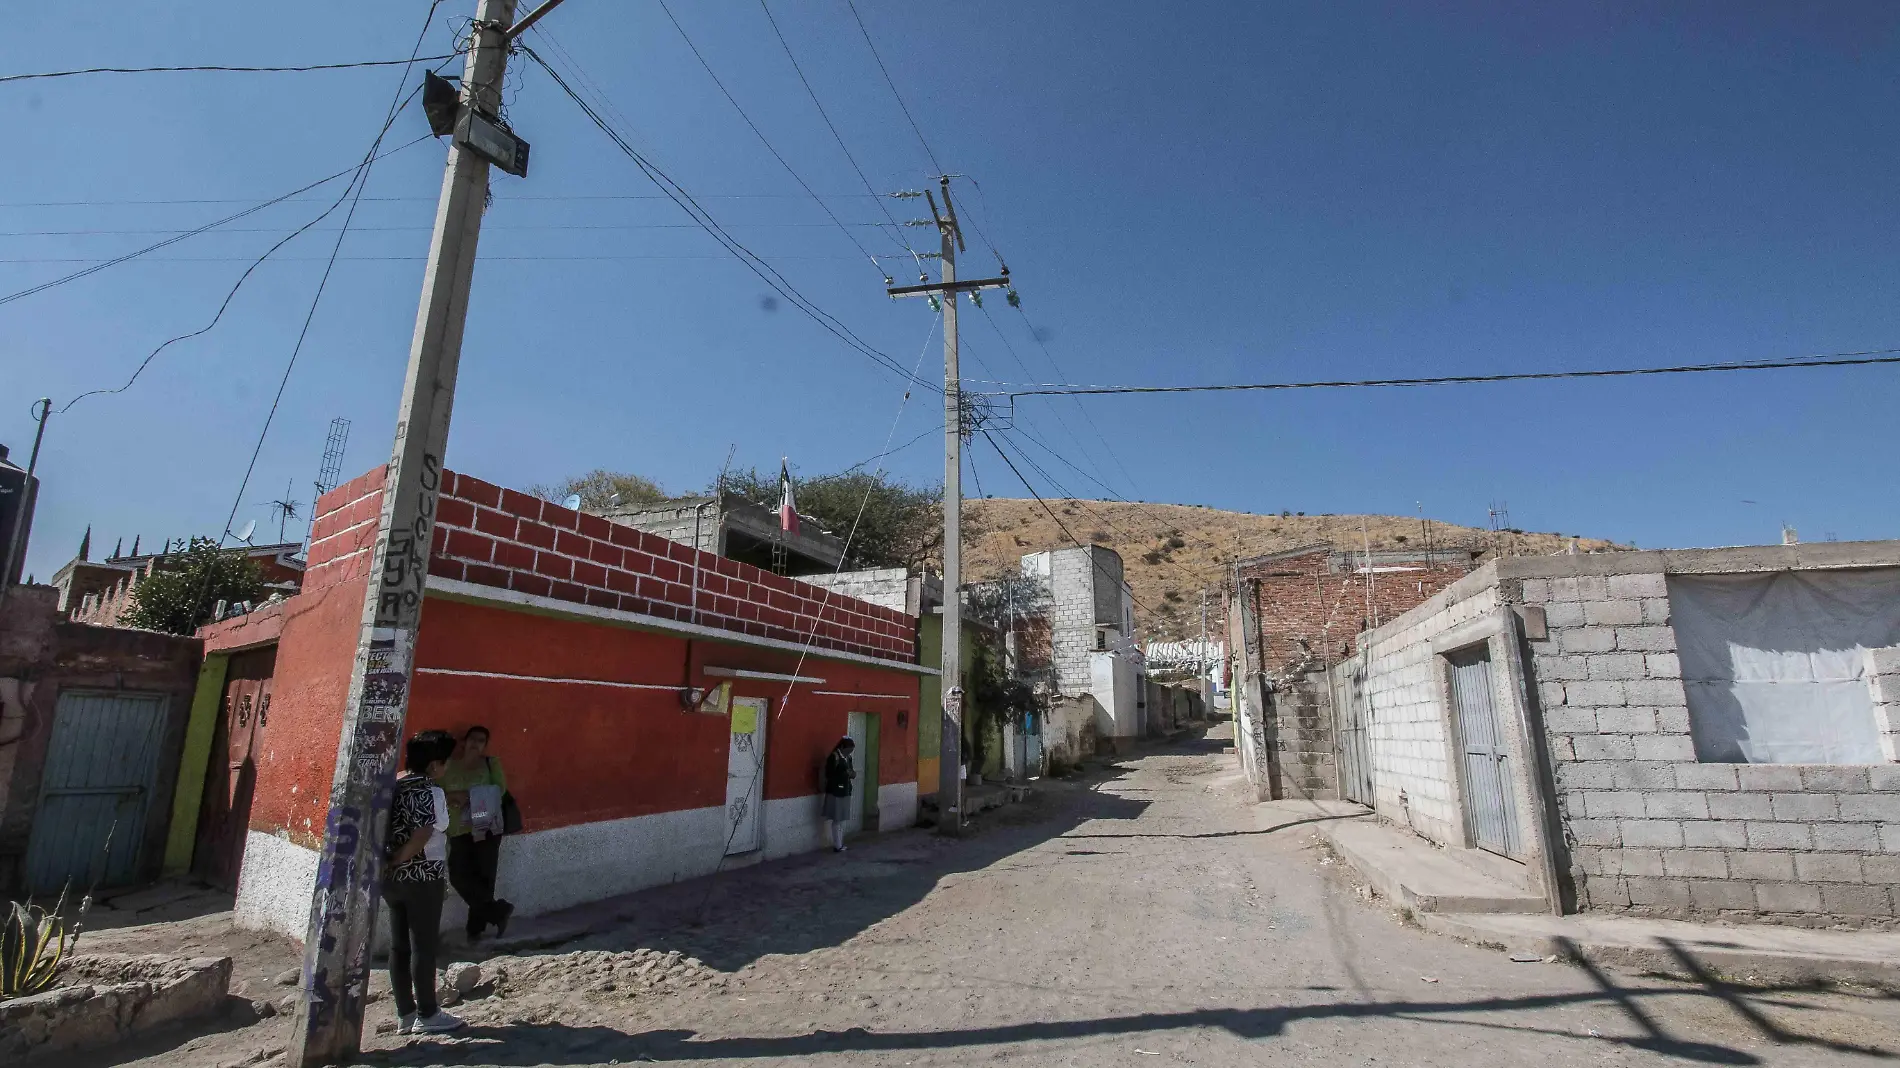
point(1172, 551)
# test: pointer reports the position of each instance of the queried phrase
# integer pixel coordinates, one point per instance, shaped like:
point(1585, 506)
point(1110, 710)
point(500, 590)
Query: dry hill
point(1172, 551)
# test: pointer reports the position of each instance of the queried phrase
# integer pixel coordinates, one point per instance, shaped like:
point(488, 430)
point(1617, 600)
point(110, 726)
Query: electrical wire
point(358, 183)
point(1060, 421)
point(223, 306)
point(1164, 521)
point(224, 69)
point(1036, 336)
point(513, 196)
point(1839, 359)
point(487, 228)
point(758, 763)
point(897, 234)
point(776, 154)
point(1051, 512)
point(905, 108)
point(687, 203)
point(115, 261)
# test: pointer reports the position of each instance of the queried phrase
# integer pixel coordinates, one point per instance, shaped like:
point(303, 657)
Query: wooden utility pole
point(950, 682)
point(335, 984)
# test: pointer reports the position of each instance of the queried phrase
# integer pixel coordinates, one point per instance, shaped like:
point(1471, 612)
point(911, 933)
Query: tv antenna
point(286, 509)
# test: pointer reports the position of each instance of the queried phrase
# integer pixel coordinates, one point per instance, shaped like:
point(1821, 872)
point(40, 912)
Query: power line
point(687, 203)
point(512, 196)
point(232, 293)
point(225, 69)
point(1063, 423)
point(1841, 359)
point(835, 135)
point(418, 227)
point(1166, 523)
point(1052, 515)
point(357, 184)
point(894, 93)
point(796, 177)
point(155, 246)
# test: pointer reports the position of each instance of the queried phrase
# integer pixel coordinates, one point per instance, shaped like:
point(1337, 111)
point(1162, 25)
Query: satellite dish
point(245, 534)
point(573, 502)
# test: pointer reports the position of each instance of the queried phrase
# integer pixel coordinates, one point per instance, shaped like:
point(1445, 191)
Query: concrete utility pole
point(950, 766)
point(23, 508)
point(329, 1018)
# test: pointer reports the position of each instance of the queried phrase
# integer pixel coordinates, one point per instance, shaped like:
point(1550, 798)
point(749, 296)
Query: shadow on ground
point(555, 1043)
point(817, 900)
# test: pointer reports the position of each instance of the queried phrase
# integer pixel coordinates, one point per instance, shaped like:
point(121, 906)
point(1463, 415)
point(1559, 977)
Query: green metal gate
point(101, 768)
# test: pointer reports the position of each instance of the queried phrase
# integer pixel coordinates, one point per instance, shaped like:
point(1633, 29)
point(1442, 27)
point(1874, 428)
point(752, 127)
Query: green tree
point(900, 525)
point(601, 489)
point(182, 591)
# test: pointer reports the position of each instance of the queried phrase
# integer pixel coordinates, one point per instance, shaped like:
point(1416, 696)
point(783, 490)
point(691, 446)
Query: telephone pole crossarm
point(932, 288)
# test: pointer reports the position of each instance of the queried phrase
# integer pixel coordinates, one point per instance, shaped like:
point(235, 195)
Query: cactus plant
point(32, 946)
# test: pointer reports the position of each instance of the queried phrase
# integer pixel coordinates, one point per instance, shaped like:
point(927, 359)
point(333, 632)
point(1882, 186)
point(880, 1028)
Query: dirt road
point(1134, 918)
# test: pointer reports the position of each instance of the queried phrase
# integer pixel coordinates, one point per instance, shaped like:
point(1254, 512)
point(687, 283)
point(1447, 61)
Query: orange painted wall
point(574, 753)
point(314, 656)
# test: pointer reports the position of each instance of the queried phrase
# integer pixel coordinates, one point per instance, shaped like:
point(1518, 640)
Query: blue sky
point(1184, 193)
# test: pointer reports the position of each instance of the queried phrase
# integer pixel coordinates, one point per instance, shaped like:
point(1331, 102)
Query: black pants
point(415, 928)
point(472, 867)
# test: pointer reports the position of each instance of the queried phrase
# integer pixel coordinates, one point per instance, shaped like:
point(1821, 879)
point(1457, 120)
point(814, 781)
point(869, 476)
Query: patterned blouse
point(412, 809)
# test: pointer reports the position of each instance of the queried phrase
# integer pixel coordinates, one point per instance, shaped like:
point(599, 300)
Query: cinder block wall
point(1408, 729)
point(1648, 828)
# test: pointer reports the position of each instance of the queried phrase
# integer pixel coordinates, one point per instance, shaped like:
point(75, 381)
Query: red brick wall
point(1298, 597)
point(498, 537)
point(575, 753)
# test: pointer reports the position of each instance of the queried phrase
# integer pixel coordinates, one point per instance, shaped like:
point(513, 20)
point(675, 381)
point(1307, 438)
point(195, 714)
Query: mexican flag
point(787, 507)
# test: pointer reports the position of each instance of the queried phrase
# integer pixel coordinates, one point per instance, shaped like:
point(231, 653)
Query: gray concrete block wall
point(1396, 678)
point(1651, 830)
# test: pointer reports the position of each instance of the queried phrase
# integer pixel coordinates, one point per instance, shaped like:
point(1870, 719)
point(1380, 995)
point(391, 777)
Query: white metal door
point(859, 734)
point(745, 774)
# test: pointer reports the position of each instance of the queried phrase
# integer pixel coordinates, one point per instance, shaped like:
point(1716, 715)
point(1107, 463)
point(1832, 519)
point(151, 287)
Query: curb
point(1740, 966)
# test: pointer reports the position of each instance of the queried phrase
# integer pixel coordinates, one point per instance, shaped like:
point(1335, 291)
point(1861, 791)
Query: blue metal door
point(1489, 805)
point(101, 769)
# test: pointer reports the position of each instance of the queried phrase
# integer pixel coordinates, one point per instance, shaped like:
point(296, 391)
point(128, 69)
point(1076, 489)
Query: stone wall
point(105, 999)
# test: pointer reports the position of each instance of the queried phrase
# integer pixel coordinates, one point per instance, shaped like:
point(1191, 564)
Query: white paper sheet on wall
point(1774, 666)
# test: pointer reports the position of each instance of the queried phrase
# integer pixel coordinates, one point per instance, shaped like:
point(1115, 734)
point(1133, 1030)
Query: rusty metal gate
point(1350, 720)
point(101, 769)
point(1490, 811)
point(224, 815)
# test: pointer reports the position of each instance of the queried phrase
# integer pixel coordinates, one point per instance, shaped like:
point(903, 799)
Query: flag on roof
point(787, 506)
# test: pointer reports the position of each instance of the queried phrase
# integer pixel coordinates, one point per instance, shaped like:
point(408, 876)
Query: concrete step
point(1753, 954)
point(1412, 872)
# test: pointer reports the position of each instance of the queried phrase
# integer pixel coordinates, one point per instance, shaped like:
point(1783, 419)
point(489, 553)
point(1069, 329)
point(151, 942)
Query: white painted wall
point(549, 870)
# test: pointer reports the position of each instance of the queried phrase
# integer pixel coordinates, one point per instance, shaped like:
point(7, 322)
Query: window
point(1775, 666)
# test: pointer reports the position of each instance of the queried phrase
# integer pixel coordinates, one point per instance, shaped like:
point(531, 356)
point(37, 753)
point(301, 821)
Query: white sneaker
point(435, 1025)
point(405, 1024)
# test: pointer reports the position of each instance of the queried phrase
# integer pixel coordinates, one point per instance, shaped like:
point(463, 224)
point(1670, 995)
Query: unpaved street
point(1135, 917)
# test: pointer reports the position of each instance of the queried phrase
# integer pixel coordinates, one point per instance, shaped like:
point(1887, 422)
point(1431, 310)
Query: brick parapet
point(497, 537)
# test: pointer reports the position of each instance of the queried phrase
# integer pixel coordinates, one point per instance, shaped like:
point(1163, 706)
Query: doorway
point(745, 773)
point(224, 815)
point(101, 767)
point(862, 729)
point(1490, 810)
